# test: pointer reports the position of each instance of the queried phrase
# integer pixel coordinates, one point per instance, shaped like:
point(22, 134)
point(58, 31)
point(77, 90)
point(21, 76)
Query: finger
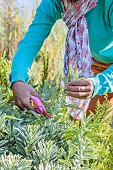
point(34, 93)
point(27, 104)
point(19, 105)
point(78, 88)
point(79, 95)
point(78, 83)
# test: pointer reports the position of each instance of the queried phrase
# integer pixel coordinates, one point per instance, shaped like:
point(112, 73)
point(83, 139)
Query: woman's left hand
point(82, 89)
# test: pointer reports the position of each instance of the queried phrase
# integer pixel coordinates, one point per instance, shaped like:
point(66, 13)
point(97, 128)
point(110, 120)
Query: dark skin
point(22, 92)
point(82, 89)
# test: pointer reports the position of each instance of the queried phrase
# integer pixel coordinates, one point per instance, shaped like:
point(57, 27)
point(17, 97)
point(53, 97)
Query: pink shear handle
point(39, 107)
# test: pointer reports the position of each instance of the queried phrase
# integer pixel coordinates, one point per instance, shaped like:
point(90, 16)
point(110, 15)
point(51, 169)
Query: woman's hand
point(22, 93)
point(82, 89)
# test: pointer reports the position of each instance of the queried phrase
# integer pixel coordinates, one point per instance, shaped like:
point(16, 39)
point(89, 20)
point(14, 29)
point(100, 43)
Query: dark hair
point(73, 0)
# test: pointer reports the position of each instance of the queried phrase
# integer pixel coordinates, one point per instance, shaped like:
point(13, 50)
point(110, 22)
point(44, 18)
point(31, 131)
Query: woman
point(89, 48)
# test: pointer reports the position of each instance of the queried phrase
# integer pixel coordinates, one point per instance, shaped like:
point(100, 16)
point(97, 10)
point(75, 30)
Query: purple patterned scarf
point(77, 51)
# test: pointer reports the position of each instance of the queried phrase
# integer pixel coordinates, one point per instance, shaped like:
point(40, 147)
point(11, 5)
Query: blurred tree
point(15, 18)
point(10, 26)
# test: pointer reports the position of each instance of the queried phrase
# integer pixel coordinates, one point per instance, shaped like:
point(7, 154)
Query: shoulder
point(51, 7)
point(51, 2)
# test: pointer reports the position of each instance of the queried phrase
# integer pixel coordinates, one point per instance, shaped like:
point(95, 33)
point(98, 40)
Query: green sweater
point(100, 25)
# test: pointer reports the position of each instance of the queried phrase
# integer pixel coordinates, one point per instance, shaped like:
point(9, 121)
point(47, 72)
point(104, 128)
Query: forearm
point(23, 59)
point(103, 82)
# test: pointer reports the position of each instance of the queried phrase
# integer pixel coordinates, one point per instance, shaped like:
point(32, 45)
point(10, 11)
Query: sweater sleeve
point(103, 82)
point(47, 14)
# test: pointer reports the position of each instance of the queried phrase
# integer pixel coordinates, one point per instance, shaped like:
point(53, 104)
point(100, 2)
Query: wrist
point(14, 84)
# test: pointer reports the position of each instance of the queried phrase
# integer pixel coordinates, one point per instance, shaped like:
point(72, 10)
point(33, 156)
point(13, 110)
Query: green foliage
point(58, 143)
point(45, 71)
point(14, 162)
point(4, 71)
point(34, 142)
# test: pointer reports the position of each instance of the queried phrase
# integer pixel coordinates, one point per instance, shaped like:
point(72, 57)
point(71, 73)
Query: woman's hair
point(72, 0)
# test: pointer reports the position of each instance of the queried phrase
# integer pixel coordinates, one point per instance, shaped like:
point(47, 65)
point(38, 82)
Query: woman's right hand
point(22, 93)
